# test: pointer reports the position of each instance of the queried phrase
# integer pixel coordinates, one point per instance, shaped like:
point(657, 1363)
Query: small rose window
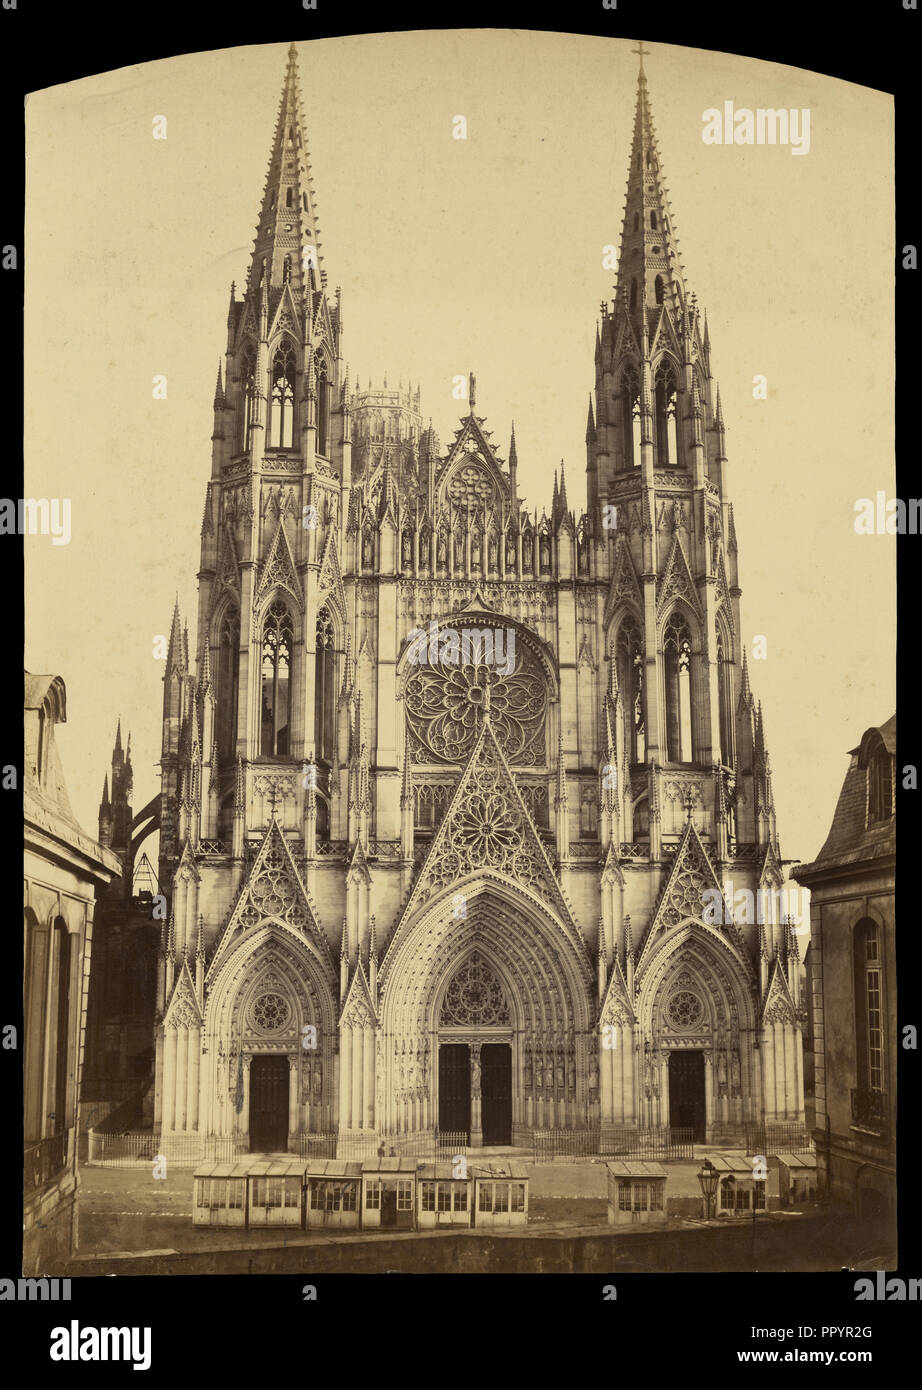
point(270, 1012)
point(685, 1009)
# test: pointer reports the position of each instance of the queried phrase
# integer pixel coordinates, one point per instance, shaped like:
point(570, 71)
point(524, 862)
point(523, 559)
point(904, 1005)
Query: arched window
point(324, 689)
point(633, 294)
point(630, 417)
point(228, 676)
point(677, 665)
point(323, 412)
point(248, 389)
point(636, 221)
point(278, 639)
point(664, 410)
point(304, 199)
point(62, 1036)
point(724, 697)
point(282, 398)
point(869, 1008)
point(653, 220)
point(659, 289)
point(880, 786)
point(288, 196)
point(629, 657)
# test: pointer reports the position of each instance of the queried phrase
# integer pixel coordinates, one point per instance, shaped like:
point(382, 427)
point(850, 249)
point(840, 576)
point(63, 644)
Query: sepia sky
point(482, 255)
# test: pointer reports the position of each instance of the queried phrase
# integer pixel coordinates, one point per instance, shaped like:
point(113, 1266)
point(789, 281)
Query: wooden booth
point(636, 1193)
point(334, 1193)
point(443, 1199)
point(500, 1194)
point(389, 1194)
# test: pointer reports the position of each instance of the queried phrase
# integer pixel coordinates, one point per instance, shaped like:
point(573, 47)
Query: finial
point(471, 388)
point(640, 51)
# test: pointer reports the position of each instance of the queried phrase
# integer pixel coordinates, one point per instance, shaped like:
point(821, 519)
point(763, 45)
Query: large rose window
point(445, 704)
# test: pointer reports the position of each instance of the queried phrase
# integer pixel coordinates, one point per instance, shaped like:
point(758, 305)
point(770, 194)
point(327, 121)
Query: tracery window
point(248, 392)
point(282, 398)
point(724, 698)
point(277, 643)
point(630, 665)
point(324, 688)
point(677, 664)
point(665, 406)
point(474, 997)
point(630, 417)
point(228, 675)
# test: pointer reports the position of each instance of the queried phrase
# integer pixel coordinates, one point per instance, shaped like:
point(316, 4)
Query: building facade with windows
point(853, 982)
point(63, 868)
point(446, 779)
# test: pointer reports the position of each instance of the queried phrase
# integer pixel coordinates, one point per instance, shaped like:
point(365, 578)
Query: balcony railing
point(870, 1109)
point(43, 1161)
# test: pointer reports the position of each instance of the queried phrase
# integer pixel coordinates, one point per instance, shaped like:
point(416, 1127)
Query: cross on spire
point(273, 795)
point(640, 51)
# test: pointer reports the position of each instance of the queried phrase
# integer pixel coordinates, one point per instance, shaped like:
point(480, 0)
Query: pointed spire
point(564, 507)
point(745, 692)
point(118, 741)
point(290, 257)
point(590, 422)
point(219, 388)
point(200, 938)
point(344, 943)
point(104, 804)
point(649, 270)
point(471, 391)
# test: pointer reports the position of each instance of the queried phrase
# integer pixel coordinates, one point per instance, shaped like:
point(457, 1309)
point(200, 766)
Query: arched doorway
point(475, 1055)
point(687, 1104)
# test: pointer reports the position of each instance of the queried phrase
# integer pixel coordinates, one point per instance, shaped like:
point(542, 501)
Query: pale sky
point(482, 255)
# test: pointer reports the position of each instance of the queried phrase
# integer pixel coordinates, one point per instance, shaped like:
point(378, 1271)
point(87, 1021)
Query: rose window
point(270, 1012)
point(475, 998)
point(487, 829)
point(470, 487)
point(445, 703)
point(685, 1009)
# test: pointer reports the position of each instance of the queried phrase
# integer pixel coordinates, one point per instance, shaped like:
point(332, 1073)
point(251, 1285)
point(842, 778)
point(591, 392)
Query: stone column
point(476, 1126)
point(294, 1091)
point(345, 1077)
point(708, 1095)
point(169, 1079)
point(243, 1119)
point(368, 1087)
point(195, 1064)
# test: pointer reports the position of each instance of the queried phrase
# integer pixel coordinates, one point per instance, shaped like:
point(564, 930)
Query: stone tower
point(449, 782)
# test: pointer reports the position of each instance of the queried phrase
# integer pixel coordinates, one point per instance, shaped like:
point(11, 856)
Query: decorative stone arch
point(267, 991)
point(695, 996)
point(545, 986)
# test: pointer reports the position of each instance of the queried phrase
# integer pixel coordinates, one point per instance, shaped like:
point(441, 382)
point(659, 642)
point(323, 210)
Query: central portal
point(686, 1093)
point(496, 1083)
point(269, 1105)
point(455, 1089)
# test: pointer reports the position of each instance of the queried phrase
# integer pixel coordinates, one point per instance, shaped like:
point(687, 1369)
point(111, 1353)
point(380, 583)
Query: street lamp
point(708, 1177)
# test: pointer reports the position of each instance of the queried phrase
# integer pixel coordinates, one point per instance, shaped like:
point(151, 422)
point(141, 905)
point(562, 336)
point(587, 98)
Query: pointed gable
point(676, 582)
point(778, 1006)
point(625, 587)
point(616, 1007)
point(274, 890)
point(183, 1011)
point(487, 830)
point(330, 579)
point(359, 1009)
point(279, 571)
point(682, 904)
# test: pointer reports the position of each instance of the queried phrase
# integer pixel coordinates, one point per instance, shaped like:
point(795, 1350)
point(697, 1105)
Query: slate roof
point(851, 841)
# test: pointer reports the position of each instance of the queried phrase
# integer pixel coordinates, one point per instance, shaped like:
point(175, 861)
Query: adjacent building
point(853, 981)
point(64, 868)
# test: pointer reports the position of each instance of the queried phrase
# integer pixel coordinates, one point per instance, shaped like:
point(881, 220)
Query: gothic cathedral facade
point(413, 886)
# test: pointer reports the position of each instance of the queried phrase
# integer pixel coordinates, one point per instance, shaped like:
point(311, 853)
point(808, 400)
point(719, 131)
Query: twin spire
point(649, 247)
point(287, 235)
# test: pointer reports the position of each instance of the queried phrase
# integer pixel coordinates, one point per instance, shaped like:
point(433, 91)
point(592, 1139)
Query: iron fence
point(780, 1138)
point(43, 1161)
point(571, 1145)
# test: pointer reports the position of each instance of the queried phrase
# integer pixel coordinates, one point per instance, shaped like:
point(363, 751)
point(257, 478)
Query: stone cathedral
point(412, 885)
